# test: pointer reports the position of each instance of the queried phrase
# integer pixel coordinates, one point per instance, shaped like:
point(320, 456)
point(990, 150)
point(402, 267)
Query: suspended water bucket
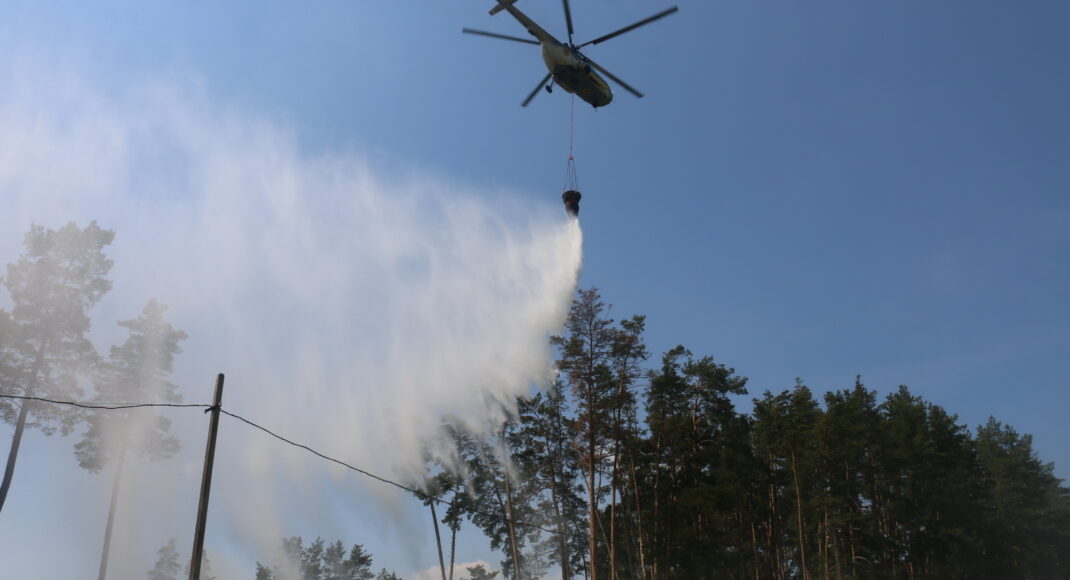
point(572, 201)
point(572, 194)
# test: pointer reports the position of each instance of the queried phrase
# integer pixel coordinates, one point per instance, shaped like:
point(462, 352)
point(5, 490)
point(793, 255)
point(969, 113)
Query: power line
point(414, 491)
point(331, 459)
point(106, 406)
point(421, 494)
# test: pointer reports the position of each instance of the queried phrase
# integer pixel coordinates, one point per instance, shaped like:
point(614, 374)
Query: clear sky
point(812, 190)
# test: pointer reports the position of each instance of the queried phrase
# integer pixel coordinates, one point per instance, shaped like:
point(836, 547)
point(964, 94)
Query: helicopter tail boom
point(501, 6)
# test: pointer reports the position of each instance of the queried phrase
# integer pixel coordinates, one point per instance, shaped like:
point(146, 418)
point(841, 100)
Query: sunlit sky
point(813, 190)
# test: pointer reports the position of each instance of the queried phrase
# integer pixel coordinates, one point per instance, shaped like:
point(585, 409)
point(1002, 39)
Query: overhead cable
point(106, 406)
point(421, 494)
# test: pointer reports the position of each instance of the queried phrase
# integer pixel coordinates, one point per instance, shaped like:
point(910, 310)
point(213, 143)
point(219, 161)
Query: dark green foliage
point(499, 496)
point(677, 484)
point(1029, 510)
point(696, 455)
point(542, 449)
point(601, 364)
point(478, 572)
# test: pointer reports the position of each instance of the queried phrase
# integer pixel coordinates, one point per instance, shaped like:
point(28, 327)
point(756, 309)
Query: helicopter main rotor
point(574, 48)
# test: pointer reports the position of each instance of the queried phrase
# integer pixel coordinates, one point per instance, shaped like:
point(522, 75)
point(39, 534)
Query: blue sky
point(812, 191)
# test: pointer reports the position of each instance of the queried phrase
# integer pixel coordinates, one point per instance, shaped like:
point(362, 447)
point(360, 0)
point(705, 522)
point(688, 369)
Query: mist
point(350, 309)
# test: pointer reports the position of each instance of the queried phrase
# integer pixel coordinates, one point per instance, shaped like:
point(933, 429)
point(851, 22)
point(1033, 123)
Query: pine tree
point(137, 371)
point(628, 354)
point(167, 566)
point(55, 283)
point(318, 561)
point(479, 572)
point(785, 438)
point(501, 499)
point(312, 560)
point(542, 447)
point(1029, 509)
point(847, 436)
point(359, 564)
point(9, 383)
point(334, 561)
point(698, 453)
point(586, 357)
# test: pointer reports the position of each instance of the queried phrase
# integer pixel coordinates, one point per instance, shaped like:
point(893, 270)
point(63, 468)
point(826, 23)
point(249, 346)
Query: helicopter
point(568, 67)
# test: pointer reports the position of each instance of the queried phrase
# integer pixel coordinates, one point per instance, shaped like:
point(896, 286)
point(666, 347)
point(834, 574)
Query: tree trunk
point(453, 548)
point(825, 546)
point(512, 533)
point(798, 501)
point(655, 491)
point(438, 540)
point(16, 440)
point(639, 518)
point(774, 536)
point(592, 507)
point(613, 523)
point(20, 424)
point(111, 514)
point(562, 541)
point(754, 546)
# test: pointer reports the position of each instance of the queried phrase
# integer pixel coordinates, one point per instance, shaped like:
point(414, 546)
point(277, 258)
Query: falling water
point(350, 310)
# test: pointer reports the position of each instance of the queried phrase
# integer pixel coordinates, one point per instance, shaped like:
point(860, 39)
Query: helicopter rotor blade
point(536, 91)
point(496, 35)
point(568, 20)
point(632, 27)
point(626, 86)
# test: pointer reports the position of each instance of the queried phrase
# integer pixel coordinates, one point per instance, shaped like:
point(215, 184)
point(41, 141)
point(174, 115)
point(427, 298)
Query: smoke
point(350, 308)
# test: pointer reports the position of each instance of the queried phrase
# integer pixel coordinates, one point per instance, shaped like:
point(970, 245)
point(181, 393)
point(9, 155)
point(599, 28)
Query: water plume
point(350, 309)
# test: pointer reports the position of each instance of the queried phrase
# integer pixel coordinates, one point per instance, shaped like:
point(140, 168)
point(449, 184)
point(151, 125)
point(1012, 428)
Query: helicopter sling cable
point(572, 195)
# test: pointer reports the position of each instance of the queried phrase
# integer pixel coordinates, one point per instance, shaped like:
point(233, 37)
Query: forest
point(628, 466)
point(653, 473)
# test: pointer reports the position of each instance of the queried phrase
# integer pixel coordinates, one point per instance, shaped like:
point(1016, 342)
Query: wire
point(414, 491)
point(328, 458)
point(571, 123)
point(107, 406)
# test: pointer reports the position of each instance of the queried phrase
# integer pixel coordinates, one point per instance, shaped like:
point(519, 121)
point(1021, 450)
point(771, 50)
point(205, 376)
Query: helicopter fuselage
point(568, 67)
point(572, 72)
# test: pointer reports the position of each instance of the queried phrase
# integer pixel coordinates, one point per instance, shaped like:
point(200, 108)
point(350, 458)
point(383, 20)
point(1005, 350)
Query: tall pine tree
point(586, 359)
point(55, 283)
point(137, 371)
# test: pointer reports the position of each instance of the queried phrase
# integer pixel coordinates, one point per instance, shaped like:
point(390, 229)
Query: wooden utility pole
point(103, 572)
point(206, 483)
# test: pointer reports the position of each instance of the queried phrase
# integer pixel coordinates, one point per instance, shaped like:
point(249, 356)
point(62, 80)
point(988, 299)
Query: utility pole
point(206, 482)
